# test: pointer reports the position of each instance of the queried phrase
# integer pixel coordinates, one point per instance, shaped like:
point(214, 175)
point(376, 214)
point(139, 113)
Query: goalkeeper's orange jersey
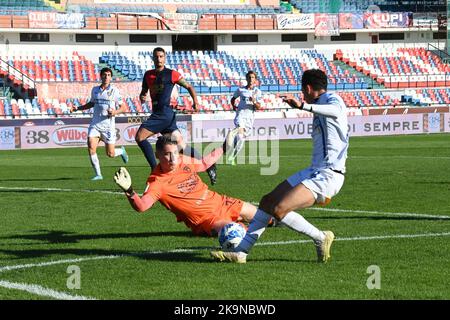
point(184, 193)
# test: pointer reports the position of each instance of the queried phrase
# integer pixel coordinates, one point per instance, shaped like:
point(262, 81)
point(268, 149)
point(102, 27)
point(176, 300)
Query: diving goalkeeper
point(176, 184)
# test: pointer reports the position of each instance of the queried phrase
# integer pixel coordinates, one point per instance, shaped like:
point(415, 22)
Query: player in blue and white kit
point(316, 184)
point(104, 99)
point(249, 101)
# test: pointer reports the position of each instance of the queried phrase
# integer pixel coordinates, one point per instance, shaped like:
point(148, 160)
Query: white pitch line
point(394, 236)
point(42, 291)
point(50, 263)
point(45, 292)
point(55, 262)
point(358, 238)
point(406, 214)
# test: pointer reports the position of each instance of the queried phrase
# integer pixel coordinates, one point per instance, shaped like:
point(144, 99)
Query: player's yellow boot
point(231, 160)
point(323, 247)
point(237, 257)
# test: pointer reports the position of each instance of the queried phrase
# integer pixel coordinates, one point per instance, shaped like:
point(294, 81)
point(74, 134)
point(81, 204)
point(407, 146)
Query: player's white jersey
point(330, 132)
point(104, 100)
point(245, 94)
point(245, 110)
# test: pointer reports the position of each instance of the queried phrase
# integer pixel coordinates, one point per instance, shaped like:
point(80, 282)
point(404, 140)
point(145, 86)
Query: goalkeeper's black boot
point(212, 173)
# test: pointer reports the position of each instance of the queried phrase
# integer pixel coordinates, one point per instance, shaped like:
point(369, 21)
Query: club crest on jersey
point(110, 95)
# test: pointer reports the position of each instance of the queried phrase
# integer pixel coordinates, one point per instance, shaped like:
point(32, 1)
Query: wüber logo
point(130, 132)
point(70, 136)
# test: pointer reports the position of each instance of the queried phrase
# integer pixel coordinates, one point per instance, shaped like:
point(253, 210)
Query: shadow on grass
point(57, 236)
point(192, 255)
point(36, 179)
point(173, 256)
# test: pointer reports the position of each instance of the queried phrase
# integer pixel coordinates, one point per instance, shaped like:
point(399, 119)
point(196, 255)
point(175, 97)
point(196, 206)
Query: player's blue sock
point(191, 152)
point(147, 149)
point(255, 230)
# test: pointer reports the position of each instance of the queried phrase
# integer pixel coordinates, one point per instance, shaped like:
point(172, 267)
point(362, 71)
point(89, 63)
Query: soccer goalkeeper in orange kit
point(176, 184)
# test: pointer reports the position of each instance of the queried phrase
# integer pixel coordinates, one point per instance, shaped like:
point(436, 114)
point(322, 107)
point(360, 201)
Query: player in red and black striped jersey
point(160, 82)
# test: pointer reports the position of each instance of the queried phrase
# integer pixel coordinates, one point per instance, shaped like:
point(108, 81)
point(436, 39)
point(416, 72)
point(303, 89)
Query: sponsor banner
point(70, 21)
point(35, 137)
point(351, 21)
point(301, 128)
point(295, 21)
point(66, 90)
point(429, 20)
point(55, 20)
point(386, 20)
point(326, 24)
point(7, 138)
point(446, 122)
point(180, 21)
point(432, 122)
point(178, 2)
point(73, 135)
point(386, 125)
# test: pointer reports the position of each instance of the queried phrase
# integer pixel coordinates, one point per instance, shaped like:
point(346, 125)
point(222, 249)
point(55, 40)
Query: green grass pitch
point(393, 212)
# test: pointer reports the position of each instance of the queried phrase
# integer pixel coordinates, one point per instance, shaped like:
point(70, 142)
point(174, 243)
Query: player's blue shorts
point(160, 123)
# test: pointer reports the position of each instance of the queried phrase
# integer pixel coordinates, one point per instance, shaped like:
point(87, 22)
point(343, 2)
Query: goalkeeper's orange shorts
point(229, 211)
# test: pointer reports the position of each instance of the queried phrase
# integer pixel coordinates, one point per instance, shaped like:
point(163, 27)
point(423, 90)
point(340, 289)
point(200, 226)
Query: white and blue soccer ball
point(231, 235)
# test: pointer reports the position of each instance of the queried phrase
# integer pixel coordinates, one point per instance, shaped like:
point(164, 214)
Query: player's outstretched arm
point(210, 159)
point(291, 101)
point(123, 179)
point(122, 109)
point(83, 107)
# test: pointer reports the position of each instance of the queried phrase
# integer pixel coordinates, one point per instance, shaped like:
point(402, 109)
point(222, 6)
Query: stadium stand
point(412, 5)
point(47, 107)
point(47, 66)
point(216, 72)
point(22, 7)
point(398, 68)
point(337, 6)
point(331, 6)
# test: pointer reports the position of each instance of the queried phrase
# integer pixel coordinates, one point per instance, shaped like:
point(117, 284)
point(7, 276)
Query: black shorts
point(160, 124)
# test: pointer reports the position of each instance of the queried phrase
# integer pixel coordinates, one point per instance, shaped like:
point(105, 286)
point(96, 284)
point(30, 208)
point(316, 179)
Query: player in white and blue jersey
point(104, 99)
point(316, 184)
point(249, 100)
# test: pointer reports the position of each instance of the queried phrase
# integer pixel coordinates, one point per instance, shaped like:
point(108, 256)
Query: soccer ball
point(231, 235)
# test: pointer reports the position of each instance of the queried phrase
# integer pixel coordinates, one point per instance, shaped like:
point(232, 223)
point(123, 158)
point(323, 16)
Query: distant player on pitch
point(316, 184)
point(104, 99)
point(160, 82)
point(249, 101)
